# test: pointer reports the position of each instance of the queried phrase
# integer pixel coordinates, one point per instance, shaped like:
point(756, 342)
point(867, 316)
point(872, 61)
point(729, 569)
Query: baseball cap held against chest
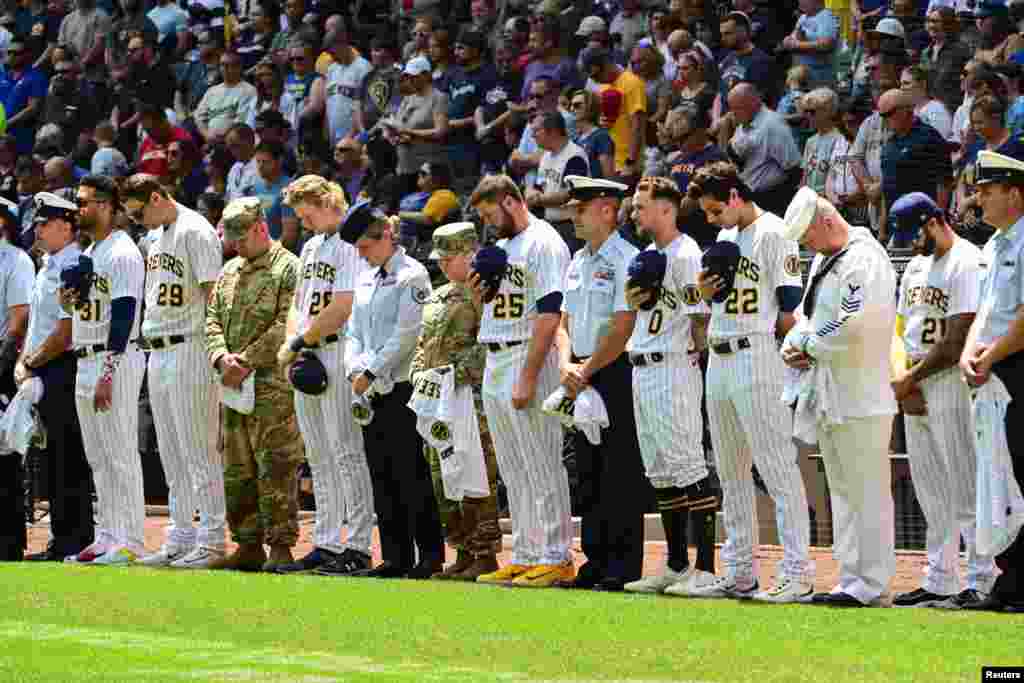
point(239, 216)
point(454, 238)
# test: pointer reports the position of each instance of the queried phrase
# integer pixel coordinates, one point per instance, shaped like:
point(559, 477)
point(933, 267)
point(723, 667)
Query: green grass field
point(92, 624)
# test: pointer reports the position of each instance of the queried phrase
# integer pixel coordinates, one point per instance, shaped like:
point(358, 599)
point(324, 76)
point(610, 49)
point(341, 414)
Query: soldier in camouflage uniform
point(451, 321)
point(245, 326)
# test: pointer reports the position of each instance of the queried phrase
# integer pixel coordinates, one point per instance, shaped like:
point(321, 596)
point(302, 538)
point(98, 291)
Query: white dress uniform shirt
point(45, 311)
point(595, 290)
point(1002, 288)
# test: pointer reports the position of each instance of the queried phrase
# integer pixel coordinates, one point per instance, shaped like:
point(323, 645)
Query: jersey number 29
point(170, 295)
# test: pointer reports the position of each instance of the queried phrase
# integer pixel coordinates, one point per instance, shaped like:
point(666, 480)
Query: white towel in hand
point(586, 413)
point(20, 423)
point(1000, 507)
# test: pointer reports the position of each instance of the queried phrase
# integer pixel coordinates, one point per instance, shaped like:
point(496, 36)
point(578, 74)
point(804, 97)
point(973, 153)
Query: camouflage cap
point(454, 238)
point(239, 216)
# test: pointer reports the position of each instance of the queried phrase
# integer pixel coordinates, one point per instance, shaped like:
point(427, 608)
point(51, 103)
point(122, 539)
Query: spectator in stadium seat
point(441, 58)
point(647, 63)
point(687, 131)
point(628, 126)
point(193, 79)
point(268, 186)
point(496, 108)
point(814, 40)
point(353, 168)
point(420, 126)
point(218, 162)
point(866, 154)
point(594, 31)
point(432, 204)
point(821, 109)
point(23, 102)
point(241, 143)
point(763, 149)
point(915, 158)
point(419, 46)
point(524, 160)
point(743, 61)
point(85, 30)
point(561, 158)
point(185, 174)
point(547, 59)
point(294, 10)
point(470, 82)
point(914, 82)
point(630, 24)
point(269, 84)
point(594, 139)
point(344, 79)
point(271, 126)
point(160, 134)
point(264, 23)
point(998, 40)
point(379, 96)
point(945, 56)
point(133, 22)
point(227, 103)
point(692, 90)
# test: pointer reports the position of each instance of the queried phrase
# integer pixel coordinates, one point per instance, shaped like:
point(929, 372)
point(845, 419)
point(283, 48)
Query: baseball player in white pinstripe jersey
point(939, 295)
point(745, 379)
point(664, 350)
point(518, 327)
point(334, 443)
point(110, 369)
point(182, 263)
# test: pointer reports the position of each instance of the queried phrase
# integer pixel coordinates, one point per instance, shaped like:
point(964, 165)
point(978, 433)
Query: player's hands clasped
point(975, 366)
point(232, 372)
point(573, 379)
point(360, 384)
point(522, 392)
point(68, 299)
point(795, 358)
point(913, 403)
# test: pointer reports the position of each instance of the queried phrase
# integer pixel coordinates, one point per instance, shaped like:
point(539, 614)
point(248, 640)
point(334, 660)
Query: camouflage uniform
point(450, 325)
point(262, 451)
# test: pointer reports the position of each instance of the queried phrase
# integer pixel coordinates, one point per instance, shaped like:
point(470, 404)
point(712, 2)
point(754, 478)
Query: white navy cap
point(49, 205)
point(800, 214)
point(583, 189)
point(993, 167)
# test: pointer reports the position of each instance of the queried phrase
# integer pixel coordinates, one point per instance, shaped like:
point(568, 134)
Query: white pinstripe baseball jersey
point(666, 327)
point(329, 266)
point(767, 261)
point(181, 256)
point(118, 271)
point(933, 289)
point(537, 260)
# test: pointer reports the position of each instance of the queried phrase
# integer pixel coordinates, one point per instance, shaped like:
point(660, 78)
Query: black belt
point(157, 343)
point(89, 350)
point(641, 359)
point(727, 347)
point(578, 359)
point(329, 339)
point(501, 346)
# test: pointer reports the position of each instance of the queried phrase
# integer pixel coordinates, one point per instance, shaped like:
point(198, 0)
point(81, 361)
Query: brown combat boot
point(248, 557)
point(461, 563)
point(482, 564)
point(280, 555)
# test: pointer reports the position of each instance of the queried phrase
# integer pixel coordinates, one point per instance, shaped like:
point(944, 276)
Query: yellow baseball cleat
point(546, 575)
point(505, 574)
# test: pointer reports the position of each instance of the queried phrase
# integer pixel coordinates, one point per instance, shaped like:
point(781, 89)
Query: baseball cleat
point(968, 596)
point(346, 563)
point(545, 575)
point(656, 585)
point(787, 591)
point(920, 598)
point(725, 587)
point(118, 557)
point(164, 557)
point(505, 574)
point(88, 554)
point(695, 578)
point(198, 558)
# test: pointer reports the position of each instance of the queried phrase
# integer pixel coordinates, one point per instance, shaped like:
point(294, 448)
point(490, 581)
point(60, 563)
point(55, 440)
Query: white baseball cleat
point(199, 558)
point(786, 591)
point(724, 587)
point(694, 578)
point(655, 584)
point(164, 557)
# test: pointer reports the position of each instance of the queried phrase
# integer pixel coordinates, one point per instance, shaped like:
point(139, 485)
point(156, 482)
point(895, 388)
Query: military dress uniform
point(1002, 293)
point(262, 450)
point(450, 324)
point(612, 490)
point(387, 315)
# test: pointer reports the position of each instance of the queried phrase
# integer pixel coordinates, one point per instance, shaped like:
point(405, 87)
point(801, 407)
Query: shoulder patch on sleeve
point(792, 265)
point(691, 295)
point(420, 294)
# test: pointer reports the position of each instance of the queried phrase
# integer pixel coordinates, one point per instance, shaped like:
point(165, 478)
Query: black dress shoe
point(48, 555)
point(578, 582)
point(821, 598)
point(989, 604)
point(844, 600)
point(610, 584)
point(424, 570)
point(384, 570)
point(1014, 607)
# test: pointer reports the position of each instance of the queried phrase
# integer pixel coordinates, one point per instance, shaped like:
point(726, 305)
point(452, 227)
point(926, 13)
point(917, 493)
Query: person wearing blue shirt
point(267, 186)
point(814, 41)
point(23, 102)
point(470, 81)
point(594, 140)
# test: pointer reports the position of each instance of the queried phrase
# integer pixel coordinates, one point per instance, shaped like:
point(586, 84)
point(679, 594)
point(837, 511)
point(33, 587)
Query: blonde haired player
point(939, 295)
point(319, 314)
point(182, 265)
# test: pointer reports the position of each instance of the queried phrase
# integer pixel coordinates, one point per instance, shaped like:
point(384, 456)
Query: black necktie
point(382, 273)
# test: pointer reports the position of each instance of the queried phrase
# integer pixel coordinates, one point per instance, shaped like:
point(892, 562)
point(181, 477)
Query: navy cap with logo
point(49, 205)
point(723, 260)
point(911, 212)
point(490, 263)
point(647, 271)
point(358, 220)
point(584, 189)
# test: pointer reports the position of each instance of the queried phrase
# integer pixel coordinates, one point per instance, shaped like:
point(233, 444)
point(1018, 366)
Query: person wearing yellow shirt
point(626, 116)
